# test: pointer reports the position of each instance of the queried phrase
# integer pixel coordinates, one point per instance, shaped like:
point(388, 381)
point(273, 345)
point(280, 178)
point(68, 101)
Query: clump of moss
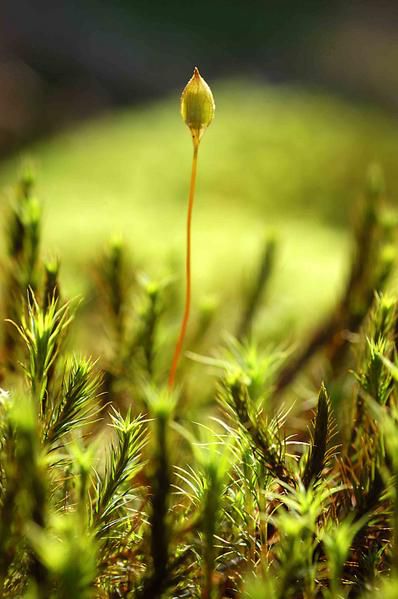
point(114, 485)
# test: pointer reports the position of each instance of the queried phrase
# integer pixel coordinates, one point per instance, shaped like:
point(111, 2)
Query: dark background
point(65, 60)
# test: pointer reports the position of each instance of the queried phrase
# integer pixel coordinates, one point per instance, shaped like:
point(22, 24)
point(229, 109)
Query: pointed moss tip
point(196, 72)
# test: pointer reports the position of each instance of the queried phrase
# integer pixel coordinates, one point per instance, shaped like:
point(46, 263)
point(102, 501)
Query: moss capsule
point(197, 105)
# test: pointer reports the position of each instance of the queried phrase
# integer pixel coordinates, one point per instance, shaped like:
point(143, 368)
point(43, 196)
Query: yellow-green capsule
point(197, 105)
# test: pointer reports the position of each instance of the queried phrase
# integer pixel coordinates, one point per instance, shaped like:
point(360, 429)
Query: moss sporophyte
point(197, 110)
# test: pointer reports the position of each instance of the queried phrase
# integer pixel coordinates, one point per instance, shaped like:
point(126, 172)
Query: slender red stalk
point(180, 341)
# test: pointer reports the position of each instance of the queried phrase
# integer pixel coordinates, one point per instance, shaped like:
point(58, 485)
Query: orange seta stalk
point(184, 324)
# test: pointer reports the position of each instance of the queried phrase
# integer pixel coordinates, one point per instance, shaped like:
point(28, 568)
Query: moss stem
point(180, 341)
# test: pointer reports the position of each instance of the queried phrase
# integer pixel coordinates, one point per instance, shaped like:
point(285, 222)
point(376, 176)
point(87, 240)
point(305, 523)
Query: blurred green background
point(297, 124)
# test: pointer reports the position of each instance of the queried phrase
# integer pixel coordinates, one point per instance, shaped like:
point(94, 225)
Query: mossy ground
point(200, 488)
